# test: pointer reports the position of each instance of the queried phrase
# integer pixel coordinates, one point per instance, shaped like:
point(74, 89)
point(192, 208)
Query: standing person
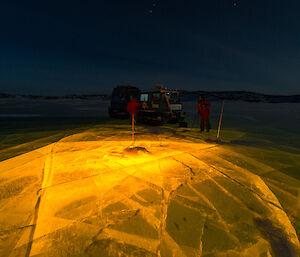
point(132, 107)
point(203, 110)
point(132, 110)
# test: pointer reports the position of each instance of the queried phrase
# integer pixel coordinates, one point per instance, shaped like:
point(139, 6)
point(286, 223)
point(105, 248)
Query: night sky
point(88, 47)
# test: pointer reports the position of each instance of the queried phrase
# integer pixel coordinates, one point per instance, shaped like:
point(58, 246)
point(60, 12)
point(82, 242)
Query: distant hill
point(185, 96)
point(239, 95)
point(74, 96)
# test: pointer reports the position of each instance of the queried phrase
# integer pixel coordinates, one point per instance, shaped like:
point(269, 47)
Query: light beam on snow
point(162, 197)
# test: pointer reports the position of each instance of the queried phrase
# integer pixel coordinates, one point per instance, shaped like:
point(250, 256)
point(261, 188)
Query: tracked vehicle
point(159, 106)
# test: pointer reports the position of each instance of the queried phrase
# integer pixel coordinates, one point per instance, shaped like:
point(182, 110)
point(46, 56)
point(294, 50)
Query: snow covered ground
point(69, 187)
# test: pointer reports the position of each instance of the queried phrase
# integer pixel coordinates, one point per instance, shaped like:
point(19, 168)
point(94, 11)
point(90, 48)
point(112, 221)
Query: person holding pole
point(203, 110)
point(132, 110)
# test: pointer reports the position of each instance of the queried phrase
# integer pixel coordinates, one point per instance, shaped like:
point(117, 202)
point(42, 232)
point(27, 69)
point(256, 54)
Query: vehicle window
point(144, 98)
point(173, 98)
point(115, 98)
point(156, 97)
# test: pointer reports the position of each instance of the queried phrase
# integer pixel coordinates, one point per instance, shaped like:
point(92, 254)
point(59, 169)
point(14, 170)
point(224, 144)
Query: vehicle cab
point(159, 106)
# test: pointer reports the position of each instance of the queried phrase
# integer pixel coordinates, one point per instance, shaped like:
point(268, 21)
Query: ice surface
point(79, 192)
point(85, 195)
point(53, 108)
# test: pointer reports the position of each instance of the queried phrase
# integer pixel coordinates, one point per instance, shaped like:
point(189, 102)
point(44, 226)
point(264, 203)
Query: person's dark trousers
point(204, 123)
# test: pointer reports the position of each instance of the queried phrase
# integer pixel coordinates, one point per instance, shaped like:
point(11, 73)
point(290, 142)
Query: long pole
point(220, 121)
point(132, 128)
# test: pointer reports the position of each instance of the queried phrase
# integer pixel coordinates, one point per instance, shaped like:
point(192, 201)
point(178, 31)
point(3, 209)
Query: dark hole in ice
point(136, 149)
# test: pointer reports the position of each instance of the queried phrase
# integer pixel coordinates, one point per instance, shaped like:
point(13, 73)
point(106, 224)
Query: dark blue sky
point(63, 47)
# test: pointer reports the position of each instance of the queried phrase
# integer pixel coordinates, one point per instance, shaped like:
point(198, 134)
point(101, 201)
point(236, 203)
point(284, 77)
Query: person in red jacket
point(203, 110)
point(132, 107)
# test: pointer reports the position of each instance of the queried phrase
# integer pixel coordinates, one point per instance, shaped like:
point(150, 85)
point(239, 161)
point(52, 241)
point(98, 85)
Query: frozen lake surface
point(69, 187)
